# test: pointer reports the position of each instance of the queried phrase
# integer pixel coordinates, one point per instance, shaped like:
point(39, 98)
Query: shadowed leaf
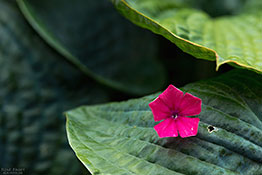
point(92, 35)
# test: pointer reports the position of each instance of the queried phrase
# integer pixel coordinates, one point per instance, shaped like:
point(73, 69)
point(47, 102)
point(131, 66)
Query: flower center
point(174, 116)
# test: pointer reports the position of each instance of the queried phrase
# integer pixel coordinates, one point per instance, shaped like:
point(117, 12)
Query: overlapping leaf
point(99, 41)
point(118, 138)
point(33, 95)
point(233, 39)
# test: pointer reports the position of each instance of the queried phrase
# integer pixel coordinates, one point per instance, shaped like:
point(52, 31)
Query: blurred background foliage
point(102, 44)
point(68, 53)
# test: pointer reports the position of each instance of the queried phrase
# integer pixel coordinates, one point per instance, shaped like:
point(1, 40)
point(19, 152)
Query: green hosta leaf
point(230, 39)
point(99, 41)
point(118, 138)
point(33, 95)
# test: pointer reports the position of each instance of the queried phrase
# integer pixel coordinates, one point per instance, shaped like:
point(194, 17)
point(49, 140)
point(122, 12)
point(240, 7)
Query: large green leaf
point(118, 138)
point(33, 95)
point(235, 39)
point(99, 41)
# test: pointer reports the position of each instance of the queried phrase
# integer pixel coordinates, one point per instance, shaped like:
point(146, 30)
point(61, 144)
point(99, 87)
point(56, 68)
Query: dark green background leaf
point(99, 41)
point(36, 86)
point(233, 39)
point(118, 138)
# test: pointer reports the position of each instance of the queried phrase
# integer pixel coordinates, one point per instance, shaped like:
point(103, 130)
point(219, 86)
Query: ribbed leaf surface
point(228, 39)
point(118, 138)
point(92, 35)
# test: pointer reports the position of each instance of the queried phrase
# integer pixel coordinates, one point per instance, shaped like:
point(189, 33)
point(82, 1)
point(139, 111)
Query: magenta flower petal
point(173, 106)
point(190, 105)
point(172, 97)
point(167, 128)
point(187, 126)
point(159, 109)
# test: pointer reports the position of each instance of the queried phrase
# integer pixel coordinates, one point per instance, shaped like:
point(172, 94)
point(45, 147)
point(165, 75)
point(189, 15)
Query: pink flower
point(173, 106)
